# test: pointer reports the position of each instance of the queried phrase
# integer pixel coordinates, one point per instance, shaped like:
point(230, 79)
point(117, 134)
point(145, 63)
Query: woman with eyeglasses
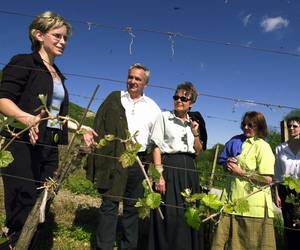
point(35, 152)
point(287, 164)
point(176, 142)
point(250, 164)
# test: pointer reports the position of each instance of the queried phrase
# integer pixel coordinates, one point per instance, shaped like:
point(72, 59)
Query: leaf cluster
point(201, 206)
point(151, 199)
point(292, 184)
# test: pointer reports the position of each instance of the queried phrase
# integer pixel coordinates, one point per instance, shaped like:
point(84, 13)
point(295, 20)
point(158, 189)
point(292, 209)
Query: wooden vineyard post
point(213, 168)
point(284, 131)
point(32, 220)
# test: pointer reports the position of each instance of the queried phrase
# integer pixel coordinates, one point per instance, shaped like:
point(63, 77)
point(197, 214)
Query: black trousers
point(127, 224)
point(31, 166)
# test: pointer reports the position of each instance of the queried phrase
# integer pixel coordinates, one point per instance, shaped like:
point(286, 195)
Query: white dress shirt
point(141, 115)
point(287, 163)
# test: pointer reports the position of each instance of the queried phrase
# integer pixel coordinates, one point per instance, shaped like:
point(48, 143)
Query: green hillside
point(76, 112)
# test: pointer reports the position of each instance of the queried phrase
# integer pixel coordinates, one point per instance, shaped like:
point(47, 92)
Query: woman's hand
point(160, 186)
point(233, 167)
point(277, 198)
point(195, 127)
point(33, 123)
point(89, 135)
point(277, 201)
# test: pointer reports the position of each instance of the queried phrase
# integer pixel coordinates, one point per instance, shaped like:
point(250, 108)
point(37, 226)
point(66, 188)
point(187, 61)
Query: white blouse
point(286, 163)
point(171, 135)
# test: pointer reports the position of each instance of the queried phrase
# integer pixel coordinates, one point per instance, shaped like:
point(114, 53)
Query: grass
point(71, 221)
point(73, 215)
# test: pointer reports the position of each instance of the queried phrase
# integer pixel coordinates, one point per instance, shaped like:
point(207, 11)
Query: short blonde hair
point(44, 22)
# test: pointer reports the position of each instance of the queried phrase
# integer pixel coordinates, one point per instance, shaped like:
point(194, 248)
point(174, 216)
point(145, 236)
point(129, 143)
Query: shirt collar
point(172, 116)
point(252, 139)
point(125, 94)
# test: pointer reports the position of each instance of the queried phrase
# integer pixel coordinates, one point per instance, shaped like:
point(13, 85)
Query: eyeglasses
point(182, 98)
point(292, 126)
point(58, 36)
point(249, 125)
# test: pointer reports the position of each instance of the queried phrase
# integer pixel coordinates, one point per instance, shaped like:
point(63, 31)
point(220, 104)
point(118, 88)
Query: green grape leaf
point(5, 158)
point(228, 208)
point(102, 143)
point(212, 201)
point(133, 147)
point(291, 199)
point(143, 209)
point(4, 121)
point(292, 183)
point(53, 123)
point(146, 187)
point(153, 173)
point(43, 99)
point(153, 200)
point(127, 159)
point(186, 193)
point(144, 212)
point(192, 217)
point(241, 205)
point(139, 203)
point(197, 197)
point(109, 137)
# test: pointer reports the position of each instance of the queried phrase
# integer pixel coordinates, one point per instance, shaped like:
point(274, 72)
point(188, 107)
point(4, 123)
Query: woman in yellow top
point(251, 169)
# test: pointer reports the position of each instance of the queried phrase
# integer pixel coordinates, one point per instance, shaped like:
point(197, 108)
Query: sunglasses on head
point(182, 98)
point(292, 126)
point(249, 125)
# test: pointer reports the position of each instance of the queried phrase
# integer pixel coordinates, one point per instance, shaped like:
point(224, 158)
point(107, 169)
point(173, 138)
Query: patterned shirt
point(171, 135)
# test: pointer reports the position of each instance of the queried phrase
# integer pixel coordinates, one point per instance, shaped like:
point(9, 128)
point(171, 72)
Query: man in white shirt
point(121, 111)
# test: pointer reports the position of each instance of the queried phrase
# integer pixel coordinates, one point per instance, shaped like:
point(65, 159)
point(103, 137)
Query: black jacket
point(103, 167)
point(202, 128)
point(24, 78)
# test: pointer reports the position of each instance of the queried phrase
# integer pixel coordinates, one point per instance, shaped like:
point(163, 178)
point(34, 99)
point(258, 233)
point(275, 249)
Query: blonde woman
point(35, 153)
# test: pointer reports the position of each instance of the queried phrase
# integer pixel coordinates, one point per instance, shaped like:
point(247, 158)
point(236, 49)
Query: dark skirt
point(173, 232)
point(291, 215)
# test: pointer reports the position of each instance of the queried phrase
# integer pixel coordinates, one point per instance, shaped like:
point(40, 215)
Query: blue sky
point(215, 68)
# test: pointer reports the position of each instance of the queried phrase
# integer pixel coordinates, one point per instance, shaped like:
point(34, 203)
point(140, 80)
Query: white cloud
point(246, 19)
point(298, 49)
point(249, 43)
point(270, 24)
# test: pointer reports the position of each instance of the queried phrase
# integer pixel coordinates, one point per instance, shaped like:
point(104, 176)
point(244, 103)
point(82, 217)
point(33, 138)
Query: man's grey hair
point(141, 66)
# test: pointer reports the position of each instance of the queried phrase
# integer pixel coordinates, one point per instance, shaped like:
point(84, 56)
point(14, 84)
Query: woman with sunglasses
point(250, 164)
point(176, 142)
point(35, 153)
point(287, 164)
